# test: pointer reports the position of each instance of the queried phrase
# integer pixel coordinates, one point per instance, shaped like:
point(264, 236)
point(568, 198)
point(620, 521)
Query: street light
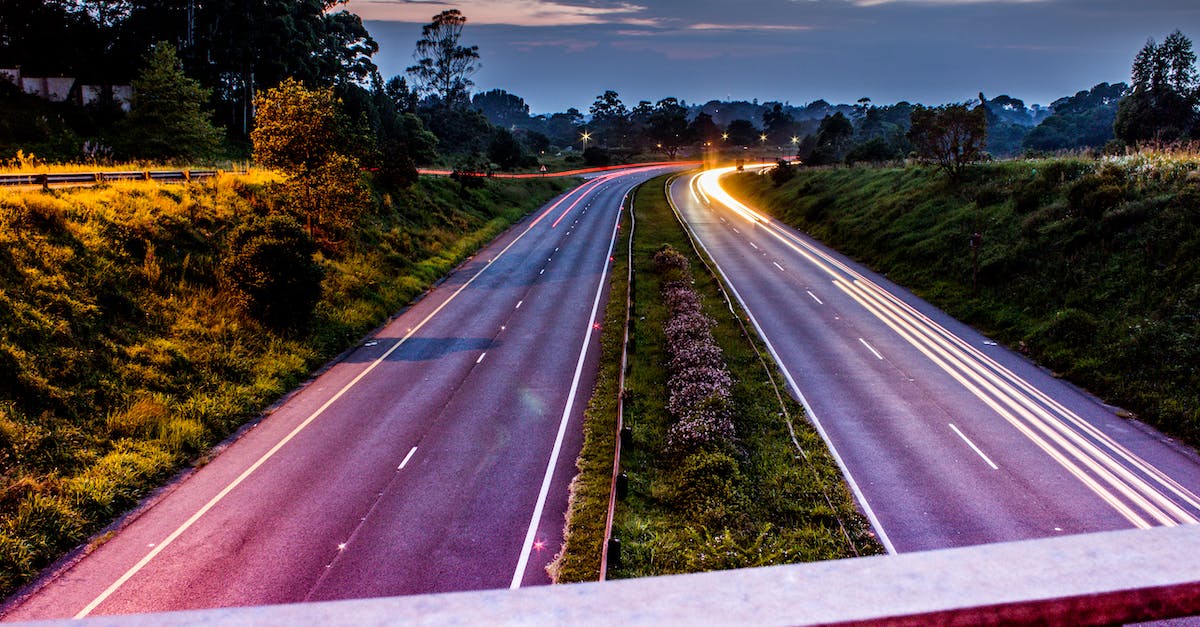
point(585, 136)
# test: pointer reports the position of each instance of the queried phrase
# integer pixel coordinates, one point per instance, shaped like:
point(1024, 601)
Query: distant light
point(762, 138)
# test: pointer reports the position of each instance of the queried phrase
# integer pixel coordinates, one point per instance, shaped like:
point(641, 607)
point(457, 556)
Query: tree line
point(198, 66)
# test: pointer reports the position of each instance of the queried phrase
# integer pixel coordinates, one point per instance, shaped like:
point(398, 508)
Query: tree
point(668, 126)
point(502, 108)
point(742, 133)
point(610, 119)
point(504, 150)
point(951, 136)
point(167, 119)
point(704, 129)
point(832, 141)
point(1162, 103)
point(779, 125)
point(1084, 120)
point(301, 131)
point(444, 66)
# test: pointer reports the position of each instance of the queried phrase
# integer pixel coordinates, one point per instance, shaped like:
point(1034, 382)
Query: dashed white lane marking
point(754, 245)
point(871, 348)
point(781, 269)
point(814, 297)
point(973, 447)
point(406, 458)
point(481, 356)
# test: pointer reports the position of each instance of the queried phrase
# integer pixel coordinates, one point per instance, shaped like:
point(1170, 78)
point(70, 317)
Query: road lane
point(414, 465)
point(948, 439)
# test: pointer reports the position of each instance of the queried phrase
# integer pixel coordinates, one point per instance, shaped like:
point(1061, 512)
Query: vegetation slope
point(124, 356)
point(1088, 266)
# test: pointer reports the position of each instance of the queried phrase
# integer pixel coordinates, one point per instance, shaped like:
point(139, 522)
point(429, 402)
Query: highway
point(433, 458)
point(946, 438)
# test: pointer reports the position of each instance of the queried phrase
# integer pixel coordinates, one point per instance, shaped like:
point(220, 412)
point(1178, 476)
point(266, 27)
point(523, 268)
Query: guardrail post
point(45, 178)
point(614, 552)
point(145, 175)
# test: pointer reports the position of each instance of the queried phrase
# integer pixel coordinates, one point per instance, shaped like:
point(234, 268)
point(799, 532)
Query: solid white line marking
point(406, 458)
point(814, 297)
point(535, 520)
point(518, 304)
point(133, 570)
point(787, 374)
point(754, 245)
point(781, 268)
point(871, 348)
point(481, 355)
point(973, 447)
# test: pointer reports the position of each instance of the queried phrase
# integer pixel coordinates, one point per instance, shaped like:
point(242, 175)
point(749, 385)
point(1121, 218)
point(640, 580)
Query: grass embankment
point(1091, 267)
point(751, 501)
point(122, 359)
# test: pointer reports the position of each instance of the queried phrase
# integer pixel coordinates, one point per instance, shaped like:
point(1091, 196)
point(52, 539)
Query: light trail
point(1122, 479)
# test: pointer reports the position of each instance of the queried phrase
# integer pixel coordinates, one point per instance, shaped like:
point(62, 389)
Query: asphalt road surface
point(435, 458)
point(947, 439)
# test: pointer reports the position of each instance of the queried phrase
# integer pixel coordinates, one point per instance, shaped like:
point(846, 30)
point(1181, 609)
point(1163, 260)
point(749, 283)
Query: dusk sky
point(563, 53)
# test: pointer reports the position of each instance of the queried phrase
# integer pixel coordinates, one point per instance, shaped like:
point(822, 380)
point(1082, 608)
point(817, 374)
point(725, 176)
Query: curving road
point(946, 438)
point(436, 457)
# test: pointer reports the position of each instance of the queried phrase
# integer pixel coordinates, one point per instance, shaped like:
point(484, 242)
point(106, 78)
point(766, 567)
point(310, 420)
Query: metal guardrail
point(46, 180)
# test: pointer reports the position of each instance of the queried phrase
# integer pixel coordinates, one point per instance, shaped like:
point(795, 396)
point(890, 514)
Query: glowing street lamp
point(585, 136)
point(724, 136)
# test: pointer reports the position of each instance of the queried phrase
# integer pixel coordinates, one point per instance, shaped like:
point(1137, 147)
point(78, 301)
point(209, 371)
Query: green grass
point(122, 360)
point(1089, 267)
point(753, 503)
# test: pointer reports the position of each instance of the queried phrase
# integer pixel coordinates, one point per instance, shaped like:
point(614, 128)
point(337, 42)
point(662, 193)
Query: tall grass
point(121, 358)
point(1089, 266)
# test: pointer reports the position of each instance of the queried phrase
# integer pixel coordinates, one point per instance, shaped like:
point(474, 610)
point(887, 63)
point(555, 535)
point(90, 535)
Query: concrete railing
point(1103, 578)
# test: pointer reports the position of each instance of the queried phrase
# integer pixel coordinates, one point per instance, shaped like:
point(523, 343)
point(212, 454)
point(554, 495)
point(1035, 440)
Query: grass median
point(756, 500)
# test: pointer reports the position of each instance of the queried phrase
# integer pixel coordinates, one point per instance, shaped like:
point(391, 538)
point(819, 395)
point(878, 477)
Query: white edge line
point(858, 494)
point(133, 570)
point(871, 348)
point(973, 447)
point(535, 520)
point(406, 458)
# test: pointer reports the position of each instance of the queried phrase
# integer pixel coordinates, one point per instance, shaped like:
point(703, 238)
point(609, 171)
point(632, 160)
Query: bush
point(596, 156)
point(269, 268)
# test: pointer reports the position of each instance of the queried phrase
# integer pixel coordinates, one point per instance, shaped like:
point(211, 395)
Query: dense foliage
point(1162, 103)
point(1089, 266)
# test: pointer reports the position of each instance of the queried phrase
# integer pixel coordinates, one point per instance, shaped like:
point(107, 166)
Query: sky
point(563, 53)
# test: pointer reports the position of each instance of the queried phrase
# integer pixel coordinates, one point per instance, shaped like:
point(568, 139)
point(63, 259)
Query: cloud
point(507, 12)
point(872, 3)
point(749, 27)
point(568, 45)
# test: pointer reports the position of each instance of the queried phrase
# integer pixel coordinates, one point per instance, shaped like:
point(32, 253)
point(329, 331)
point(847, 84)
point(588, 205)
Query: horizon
point(920, 51)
